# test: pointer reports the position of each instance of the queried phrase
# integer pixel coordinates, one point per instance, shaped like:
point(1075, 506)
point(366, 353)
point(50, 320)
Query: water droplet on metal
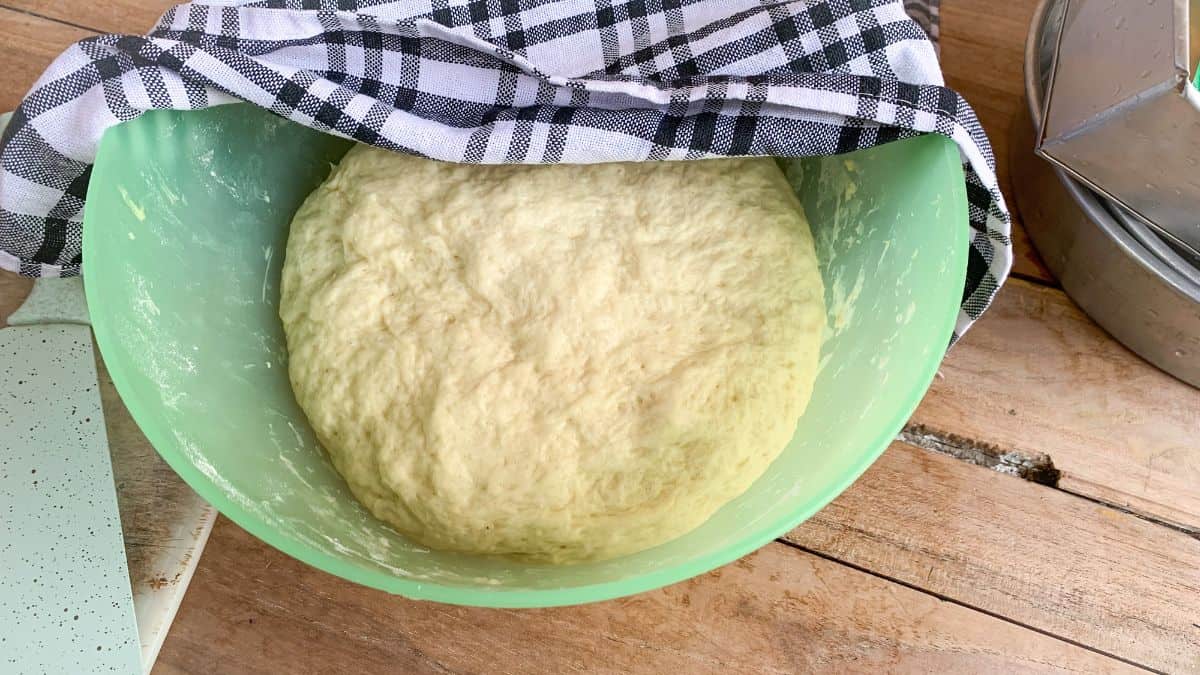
point(1119, 22)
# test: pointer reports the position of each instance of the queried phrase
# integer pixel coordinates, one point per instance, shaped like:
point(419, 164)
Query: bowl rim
point(207, 489)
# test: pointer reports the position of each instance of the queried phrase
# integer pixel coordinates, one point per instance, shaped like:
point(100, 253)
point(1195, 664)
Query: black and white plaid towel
point(532, 81)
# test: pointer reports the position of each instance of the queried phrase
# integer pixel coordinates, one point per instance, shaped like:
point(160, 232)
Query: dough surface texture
point(555, 363)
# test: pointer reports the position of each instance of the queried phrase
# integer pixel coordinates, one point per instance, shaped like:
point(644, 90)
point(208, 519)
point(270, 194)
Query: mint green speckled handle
point(65, 599)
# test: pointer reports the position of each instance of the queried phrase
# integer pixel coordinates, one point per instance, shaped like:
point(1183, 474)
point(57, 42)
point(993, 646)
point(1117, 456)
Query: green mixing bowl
point(186, 220)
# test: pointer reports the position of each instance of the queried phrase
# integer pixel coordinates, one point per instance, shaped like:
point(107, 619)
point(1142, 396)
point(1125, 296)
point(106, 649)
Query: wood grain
point(110, 16)
point(13, 290)
point(29, 44)
point(983, 52)
point(253, 610)
point(1038, 556)
point(1037, 376)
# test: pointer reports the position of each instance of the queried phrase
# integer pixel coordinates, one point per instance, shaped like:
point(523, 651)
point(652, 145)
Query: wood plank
point(986, 67)
point(29, 45)
point(111, 16)
point(1035, 375)
point(1037, 556)
point(13, 290)
point(254, 610)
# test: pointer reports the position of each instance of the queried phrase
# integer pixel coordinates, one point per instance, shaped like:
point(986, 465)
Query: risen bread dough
point(557, 363)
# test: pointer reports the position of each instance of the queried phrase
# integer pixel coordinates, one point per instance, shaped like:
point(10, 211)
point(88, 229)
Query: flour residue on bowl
point(134, 208)
point(268, 251)
point(161, 359)
point(838, 193)
point(329, 502)
point(842, 302)
point(200, 461)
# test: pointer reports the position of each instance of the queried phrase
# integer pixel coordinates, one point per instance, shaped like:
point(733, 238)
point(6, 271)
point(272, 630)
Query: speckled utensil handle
point(65, 600)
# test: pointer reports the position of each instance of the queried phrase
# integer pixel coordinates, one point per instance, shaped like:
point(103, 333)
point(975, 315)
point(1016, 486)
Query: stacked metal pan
point(1137, 286)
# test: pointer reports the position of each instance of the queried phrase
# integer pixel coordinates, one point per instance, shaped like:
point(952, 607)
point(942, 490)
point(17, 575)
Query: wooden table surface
point(932, 561)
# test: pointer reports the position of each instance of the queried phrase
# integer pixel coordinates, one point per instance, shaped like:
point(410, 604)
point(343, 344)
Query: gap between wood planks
point(1000, 444)
point(945, 598)
point(43, 17)
point(1040, 281)
point(1034, 467)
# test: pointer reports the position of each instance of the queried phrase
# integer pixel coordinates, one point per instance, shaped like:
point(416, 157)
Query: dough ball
point(558, 363)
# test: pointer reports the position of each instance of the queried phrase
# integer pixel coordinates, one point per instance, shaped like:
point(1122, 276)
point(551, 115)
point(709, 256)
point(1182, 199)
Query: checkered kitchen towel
point(533, 81)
